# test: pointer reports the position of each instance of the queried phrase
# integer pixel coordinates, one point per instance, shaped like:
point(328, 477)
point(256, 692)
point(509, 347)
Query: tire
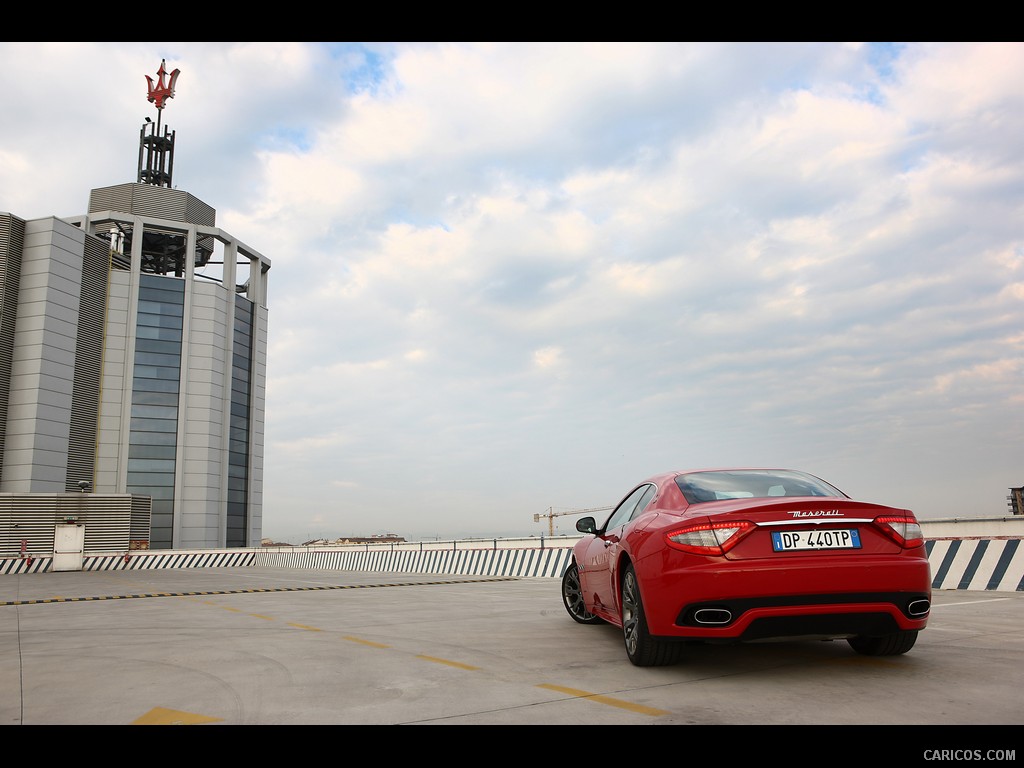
point(572, 597)
point(886, 645)
point(641, 648)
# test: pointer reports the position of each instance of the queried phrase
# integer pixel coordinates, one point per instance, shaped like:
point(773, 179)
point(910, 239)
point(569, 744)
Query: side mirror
point(586, 525)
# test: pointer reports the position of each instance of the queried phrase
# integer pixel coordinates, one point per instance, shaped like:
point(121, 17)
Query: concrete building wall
point(257, 425)
point(43, 359)
point(974, 527)
point(115, 389)
point(206, 393)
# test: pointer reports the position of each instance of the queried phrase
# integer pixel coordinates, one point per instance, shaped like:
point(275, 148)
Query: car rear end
point(754, 569)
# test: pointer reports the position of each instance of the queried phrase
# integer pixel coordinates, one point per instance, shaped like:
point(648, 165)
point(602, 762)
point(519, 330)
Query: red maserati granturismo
point(743, 555)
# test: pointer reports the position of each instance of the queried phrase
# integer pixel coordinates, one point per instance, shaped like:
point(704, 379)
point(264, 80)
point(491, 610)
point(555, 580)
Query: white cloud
point(508, 276)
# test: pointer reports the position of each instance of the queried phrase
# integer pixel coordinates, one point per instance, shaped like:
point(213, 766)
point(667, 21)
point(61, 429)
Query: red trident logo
point(159, 92)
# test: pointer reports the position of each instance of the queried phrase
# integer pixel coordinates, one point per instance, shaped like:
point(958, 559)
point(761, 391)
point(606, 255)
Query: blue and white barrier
point(549, 562)
point(977, 564)
point(968, 562)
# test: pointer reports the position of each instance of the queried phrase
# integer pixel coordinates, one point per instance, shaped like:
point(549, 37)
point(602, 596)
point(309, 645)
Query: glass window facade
point(155, 387)
point(241, 408)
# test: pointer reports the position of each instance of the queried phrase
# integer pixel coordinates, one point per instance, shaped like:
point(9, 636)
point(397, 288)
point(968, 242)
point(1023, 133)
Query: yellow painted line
point(447, 662)
point(261, 616)
point(365, 642)
point(303, 626)
point(229, 608)
point(638, 708)
point(161, 716)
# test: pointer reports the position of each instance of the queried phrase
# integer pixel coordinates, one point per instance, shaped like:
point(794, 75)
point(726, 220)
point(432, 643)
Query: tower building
point(133, 346)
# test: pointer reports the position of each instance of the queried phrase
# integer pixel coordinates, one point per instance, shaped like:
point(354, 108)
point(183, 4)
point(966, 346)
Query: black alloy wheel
point(643, 649)
point(572, 597)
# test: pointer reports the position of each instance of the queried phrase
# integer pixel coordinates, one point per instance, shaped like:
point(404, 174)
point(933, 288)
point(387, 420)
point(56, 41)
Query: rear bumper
point(804, 615)
point(758, 599)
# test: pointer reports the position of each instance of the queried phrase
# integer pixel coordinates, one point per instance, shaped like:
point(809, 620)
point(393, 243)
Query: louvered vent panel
point(112, 521)
point(88, 365)
point(151, 201)
point(141, 514)
point(160, 202)
point(198, 212)
point(12, 239)
point(117, 198)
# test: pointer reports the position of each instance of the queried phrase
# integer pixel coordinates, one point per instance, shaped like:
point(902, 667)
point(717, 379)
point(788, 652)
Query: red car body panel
point(751, 591)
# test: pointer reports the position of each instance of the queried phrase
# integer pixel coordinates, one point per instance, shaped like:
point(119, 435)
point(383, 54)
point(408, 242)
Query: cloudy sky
point(515, 278)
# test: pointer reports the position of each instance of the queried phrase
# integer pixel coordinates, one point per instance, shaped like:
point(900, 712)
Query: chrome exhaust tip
point(919, 607)
point(715, 616)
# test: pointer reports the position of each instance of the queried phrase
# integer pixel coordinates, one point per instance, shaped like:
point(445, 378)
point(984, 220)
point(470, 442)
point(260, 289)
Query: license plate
point(789, 541)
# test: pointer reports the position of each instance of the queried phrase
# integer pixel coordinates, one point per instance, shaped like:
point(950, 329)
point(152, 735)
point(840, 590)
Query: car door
point(597, 577)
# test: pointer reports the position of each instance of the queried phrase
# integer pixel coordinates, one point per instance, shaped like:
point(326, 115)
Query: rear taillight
point(903, 529)
point(709, 538)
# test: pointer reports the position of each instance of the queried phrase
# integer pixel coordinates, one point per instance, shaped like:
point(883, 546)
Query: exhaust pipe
point(919, 608)
point(712, 616)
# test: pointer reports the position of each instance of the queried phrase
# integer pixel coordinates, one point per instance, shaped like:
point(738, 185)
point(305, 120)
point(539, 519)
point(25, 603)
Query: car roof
point(676, 473)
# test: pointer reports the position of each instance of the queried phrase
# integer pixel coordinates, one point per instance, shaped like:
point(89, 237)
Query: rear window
point(700, 487)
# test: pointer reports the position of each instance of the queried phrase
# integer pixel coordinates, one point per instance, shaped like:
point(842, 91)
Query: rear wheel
point(641, 648)
point(884, 645)
point(572, 597)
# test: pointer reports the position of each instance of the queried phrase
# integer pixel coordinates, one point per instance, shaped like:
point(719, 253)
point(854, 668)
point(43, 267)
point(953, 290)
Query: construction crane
point(551, 514)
